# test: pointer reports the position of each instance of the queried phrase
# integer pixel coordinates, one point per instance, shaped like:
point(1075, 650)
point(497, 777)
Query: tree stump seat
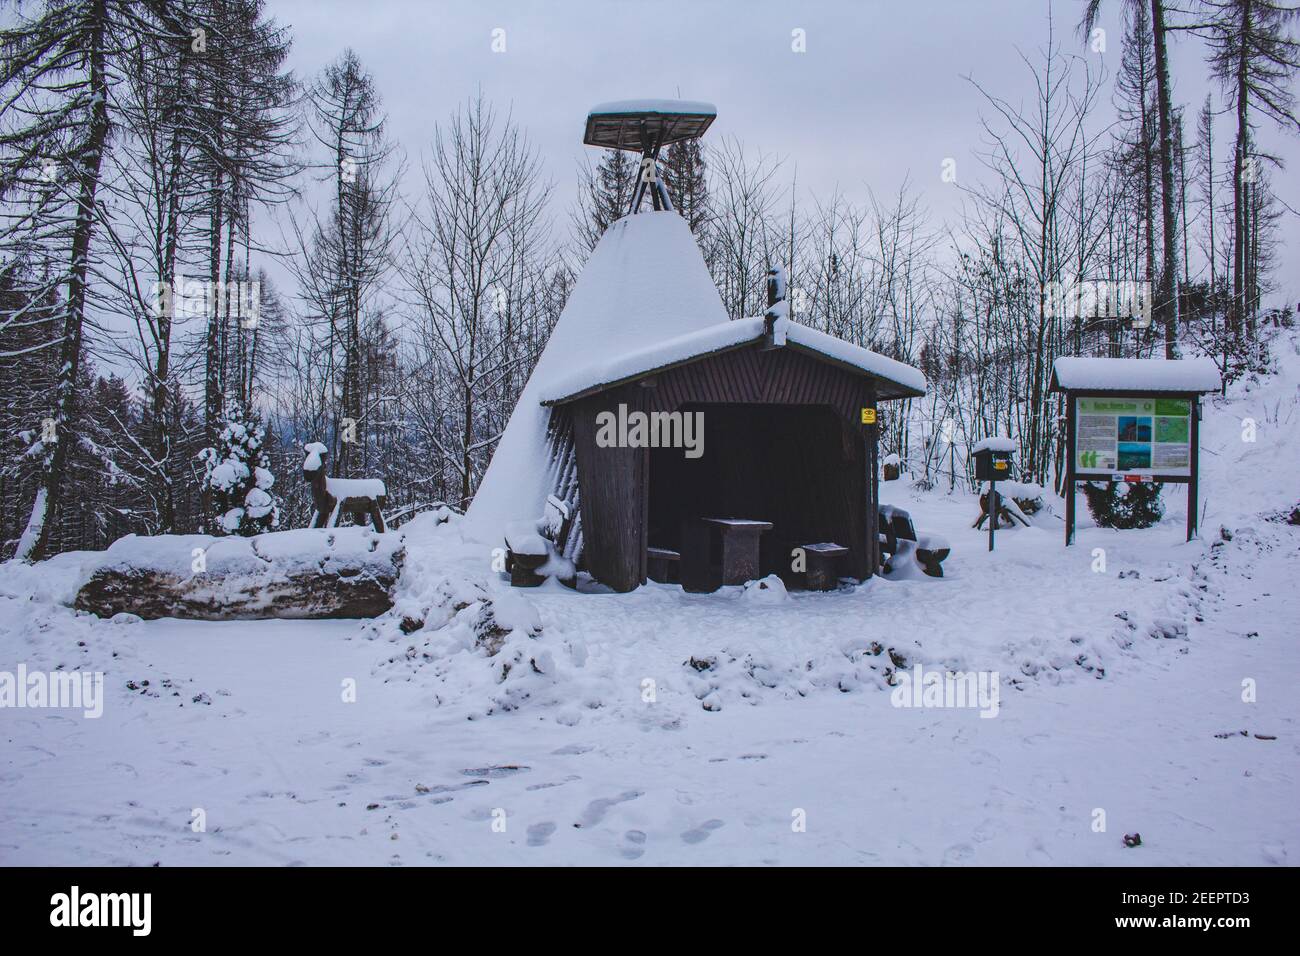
point(822, 559)
point(530, 545)
point(930, 550)
point(931, 555)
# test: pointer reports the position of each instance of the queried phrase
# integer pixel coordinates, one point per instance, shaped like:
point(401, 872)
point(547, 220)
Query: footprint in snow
point(451, 788)
point(597, 809)
point(633, 846)
point(503, 770)
point(701, 833)
point(573, 749)
point(539, 834)
point(958, 854)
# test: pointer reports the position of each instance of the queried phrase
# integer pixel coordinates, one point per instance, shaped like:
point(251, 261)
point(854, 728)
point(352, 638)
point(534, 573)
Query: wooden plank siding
point(611, 483)
point(782, 438)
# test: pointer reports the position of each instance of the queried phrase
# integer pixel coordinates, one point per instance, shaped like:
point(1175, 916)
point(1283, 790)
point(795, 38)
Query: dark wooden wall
point(611, 484)
point(796, 456)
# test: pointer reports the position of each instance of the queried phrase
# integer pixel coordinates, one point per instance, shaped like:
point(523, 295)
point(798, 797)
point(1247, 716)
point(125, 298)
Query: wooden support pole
point(1196, 464)
point(995, 504)
point(1070, 405)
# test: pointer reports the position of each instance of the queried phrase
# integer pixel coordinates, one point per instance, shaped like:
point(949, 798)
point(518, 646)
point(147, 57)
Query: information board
point(1117, 436)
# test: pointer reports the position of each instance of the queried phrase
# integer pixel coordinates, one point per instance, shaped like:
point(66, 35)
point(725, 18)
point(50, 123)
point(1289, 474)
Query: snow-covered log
point(309, 573)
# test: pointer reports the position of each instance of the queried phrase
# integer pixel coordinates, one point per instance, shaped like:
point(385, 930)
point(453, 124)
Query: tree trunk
point(35, 539)
point(162, 361)
point(1239, 161)
point(1167, 296)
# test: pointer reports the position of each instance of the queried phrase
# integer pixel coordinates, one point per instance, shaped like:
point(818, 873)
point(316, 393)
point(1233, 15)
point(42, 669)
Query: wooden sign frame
point(1072, 477)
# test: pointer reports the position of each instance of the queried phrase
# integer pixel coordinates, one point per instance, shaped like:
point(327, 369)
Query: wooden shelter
point(782, 442)
point(751, 438)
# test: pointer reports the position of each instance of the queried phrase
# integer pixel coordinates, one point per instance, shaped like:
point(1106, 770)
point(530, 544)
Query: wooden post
point(871, 446)
point(1196, 465)
point(1070, 423)
point(994, 504)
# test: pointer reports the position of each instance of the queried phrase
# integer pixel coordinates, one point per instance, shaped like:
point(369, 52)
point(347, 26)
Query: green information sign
point(1133, 436)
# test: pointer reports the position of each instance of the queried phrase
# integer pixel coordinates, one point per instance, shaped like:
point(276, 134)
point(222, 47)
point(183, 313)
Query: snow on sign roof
point(1135, 375)
point(722, 337)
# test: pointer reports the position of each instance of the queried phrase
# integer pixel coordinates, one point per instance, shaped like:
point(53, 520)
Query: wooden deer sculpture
point(360, 497)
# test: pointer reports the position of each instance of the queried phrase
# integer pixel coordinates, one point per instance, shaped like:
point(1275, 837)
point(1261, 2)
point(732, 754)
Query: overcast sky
point(880, 96)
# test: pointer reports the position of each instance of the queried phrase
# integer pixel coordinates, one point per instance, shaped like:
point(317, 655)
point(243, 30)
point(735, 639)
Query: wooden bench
point(821, 560)
point(662, 564)
point(896, 525)
point(531, 544)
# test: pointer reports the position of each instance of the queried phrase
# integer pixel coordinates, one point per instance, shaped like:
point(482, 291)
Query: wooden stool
point(821, 558)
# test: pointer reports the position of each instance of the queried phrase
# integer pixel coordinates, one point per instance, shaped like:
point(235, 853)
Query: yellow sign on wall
point(868, 416)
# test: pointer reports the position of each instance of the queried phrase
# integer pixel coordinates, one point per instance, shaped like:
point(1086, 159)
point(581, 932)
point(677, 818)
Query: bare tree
point(744, 196)
point(1036, 158)
point(476, 251)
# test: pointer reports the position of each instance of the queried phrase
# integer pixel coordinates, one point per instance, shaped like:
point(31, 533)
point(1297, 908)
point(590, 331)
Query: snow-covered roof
point(718, 337)
point(1136, 375)
point(994, 443)
point(656, 106)
point(645, 282)
point(726, 335)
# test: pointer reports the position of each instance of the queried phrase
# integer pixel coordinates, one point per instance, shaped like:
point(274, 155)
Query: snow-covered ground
point(738, 727)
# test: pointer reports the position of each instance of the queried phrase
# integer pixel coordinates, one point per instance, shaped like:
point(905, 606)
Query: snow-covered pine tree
point(237, 476)
point(1118, 504)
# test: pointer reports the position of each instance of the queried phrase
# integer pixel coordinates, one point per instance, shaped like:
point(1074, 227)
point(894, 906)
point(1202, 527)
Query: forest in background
point(157, 159)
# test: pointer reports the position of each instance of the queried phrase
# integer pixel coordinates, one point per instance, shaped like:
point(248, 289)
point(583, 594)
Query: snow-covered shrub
point(238, 474)
point(1123, 505)
point(1027, 495)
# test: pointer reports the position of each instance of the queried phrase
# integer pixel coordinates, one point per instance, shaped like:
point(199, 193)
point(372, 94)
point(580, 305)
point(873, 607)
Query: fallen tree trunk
point(308, 573)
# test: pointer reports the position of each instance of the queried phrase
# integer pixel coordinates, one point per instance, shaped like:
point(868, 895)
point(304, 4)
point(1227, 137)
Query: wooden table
point(739, 551)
